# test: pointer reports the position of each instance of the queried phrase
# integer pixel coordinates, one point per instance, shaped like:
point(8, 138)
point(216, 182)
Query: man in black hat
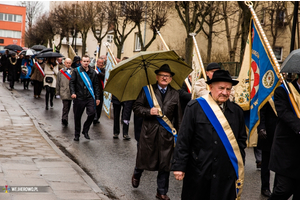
point(156, 143)
point(201, 157)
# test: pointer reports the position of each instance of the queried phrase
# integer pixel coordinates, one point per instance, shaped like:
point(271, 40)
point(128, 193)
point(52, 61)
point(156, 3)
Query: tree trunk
point(84, 36)
point(189, 44)
point(209, 43)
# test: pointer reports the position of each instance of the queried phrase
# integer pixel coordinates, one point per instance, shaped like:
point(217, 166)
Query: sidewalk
point(30, 159)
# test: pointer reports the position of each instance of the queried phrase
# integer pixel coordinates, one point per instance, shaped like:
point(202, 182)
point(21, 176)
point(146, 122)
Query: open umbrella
point(28, 52)
point(47, 50)
point(291, 63)
point(129, 76)
point(13, 47)
point(49, 54)
point(38, 47)
point(10, 52)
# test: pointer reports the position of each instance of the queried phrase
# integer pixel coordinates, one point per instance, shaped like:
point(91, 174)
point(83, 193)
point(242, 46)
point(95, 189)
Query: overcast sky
point(45, 7)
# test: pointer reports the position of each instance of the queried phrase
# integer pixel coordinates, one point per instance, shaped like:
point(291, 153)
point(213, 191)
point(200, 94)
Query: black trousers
point(37, 87)
point(265, 172)
point(5, 74)
point(162, 180)
point(49, 91)
point(66, 109)
point(26, 83)
point(285, 187)
point(99, 109)
point(117, 112)
point(78, 108)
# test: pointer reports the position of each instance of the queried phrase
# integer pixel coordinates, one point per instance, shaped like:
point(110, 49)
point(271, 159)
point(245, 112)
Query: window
point(10, 34)
point(110, 38)
point(278, 53)
point(10, 17)
point(262, 16)
point(137, 44)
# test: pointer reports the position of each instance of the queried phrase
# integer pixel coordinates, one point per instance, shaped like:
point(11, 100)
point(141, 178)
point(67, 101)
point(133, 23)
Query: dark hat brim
point(157, 71)
point(234, 82)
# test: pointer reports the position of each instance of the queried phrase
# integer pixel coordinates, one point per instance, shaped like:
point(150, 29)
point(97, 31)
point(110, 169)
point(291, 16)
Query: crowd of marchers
point(208, 150)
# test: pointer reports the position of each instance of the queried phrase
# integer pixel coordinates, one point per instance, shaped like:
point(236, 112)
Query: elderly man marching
point(62, 89)
point(209, 155)
point(159, 106)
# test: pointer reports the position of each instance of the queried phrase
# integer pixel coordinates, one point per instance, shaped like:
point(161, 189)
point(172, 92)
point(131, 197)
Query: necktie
point(163, 91)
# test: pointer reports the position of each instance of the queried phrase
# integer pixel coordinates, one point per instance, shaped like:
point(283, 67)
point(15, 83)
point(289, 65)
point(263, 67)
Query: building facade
point(12, 25)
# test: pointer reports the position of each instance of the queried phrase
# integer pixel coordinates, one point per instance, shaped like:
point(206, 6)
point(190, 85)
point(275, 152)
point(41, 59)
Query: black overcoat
point(200, 153)
point(156, 144)
point(285, 159)
point(14, 70)
point(268, 121)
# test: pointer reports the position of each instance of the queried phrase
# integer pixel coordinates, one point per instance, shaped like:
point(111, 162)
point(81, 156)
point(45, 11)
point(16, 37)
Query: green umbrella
point(129, 76)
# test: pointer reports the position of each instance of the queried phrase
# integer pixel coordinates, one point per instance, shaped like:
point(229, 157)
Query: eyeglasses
point(164, 76)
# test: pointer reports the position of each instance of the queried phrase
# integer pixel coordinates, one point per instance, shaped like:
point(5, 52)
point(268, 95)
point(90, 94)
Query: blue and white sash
point(222, 127)
point(162, 119)
point(87, 81)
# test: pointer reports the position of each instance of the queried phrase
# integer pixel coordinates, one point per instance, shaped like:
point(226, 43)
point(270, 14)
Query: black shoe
point(126, 137)
point(47, 108)
point(116, 136)
point(86, 135)
point(51, 104)
point(64, 122)
point(258, 165)
point(266, 193)
point(135, 182)
point(96, 122)
point(76, 138)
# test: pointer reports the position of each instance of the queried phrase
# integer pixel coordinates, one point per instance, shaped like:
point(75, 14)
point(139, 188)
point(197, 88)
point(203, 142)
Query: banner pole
point(273, 57)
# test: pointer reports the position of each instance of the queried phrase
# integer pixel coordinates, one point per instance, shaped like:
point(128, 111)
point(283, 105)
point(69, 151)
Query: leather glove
point(262, 134)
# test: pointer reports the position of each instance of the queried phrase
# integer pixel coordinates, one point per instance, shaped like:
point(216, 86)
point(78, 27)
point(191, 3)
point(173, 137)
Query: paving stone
point(5, 196)
point(69, 186)
point(56, 170)
point(63, 178)
point(35, 196)
point(15, 181)
point(22, 173)
point(77, 195)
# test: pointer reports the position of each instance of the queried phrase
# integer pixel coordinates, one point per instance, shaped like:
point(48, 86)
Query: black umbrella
point(291, 63)
point(38, 47)
point(13, 47)
point(49, 55)
point(10, 52)
point(47, 50)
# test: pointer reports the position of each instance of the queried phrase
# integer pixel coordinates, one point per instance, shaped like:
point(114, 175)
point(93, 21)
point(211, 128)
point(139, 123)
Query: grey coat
point(62, 85)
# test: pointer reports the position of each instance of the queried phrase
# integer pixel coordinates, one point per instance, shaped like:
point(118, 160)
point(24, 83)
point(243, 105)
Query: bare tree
point(120, 21)
point(152, 13)
point(191, 14)
point(278, 19)
point(33, 9)
point(100, 23)
point(211, 19)
point(232, 13)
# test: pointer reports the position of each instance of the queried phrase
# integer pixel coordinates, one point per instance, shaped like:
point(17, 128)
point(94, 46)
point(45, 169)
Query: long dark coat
point(268, 121)
point(200, 153)
point(13, 70)
point(285, 159)
point(156, 144)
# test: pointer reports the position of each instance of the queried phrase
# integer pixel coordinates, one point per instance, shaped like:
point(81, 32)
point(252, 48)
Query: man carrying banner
point(209, 155)
point(63, 91)
point(84, 89)
point(285, 159)
point(158, 105)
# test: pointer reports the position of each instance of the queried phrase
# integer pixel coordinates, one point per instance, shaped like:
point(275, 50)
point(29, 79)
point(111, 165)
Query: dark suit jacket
point(285, 158)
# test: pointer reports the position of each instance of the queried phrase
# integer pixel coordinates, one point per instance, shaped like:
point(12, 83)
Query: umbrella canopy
point(291, 63)
point(9, 51)
point(49, 54)
point(38, 47)
point(129, 76)
point(13, 47)
point(47, 50)
point(28, 52)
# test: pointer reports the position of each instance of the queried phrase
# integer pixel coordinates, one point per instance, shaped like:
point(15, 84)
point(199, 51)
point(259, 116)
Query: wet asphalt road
point(109, 161)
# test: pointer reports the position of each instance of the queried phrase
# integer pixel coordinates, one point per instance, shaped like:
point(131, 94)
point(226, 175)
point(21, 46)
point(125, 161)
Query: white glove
point(57, 96)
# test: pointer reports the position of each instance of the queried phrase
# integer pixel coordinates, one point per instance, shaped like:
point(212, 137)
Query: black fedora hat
point(222, 76)
point(164, 68)
point(212, 66)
